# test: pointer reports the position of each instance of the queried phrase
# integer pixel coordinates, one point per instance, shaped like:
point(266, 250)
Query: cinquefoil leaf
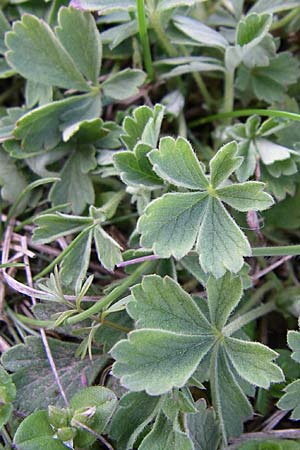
point(161, 303)
point(108, 250)
point(135, 411)
point(52, 226)
point(252, 29)
point(170, 224)
point(221, 244)
point(36, 53)
point(157, 360)
point(228, 397)
point(123, 84)
point(143, 126)
point(173, 223)
point(33, 377)
point(253, 362)
point(168, 350)
point(78, 33)
point(176, 162)
point(164, 436)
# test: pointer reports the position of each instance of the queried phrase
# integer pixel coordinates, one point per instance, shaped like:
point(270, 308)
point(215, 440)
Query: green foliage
point(32, 375)
point(172, 337)
point(173, 223)
point(172, 166)
point(91, 407)
point(8, 393)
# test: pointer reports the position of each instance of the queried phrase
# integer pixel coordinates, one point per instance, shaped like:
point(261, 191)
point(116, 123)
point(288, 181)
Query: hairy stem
point(281, 250)
point(146, 267)
point(243, 320)
point(245, 113)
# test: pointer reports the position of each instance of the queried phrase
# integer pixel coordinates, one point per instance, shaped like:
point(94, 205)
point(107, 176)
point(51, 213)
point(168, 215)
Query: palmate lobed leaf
point(78, 33)
point(172, 337)
point(173, 223)
point(42, 128)
point(37, 54)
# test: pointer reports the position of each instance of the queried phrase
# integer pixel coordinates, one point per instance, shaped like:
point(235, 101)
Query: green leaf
point(144, 126)
point(176, 162)
point(253, 362)
point(224, 295)
point(105, 6)
point(7, 395)
point(52, 226)
point(270, 82)
point(76, 186)
point(33, 377)
point(104, 400)
point(160, 303)
point(108, 250)
point(164, 436)
point(246, 196)
point(199, 32)
point(167, 351)
point(114, 36)
point(232, 404)
point(291, 400)
point(293, 339)
point(124, 84)
point(165, 5)
point(271, 152)
point(12, 180)
point(157, 360)
point(42, 128)
point(252, 29)
point(35, 433)
point(221, 244)
point(274, 6)
point(36, 53)
point(170, 224)
point(135, 411)
point(37, 93)
point(224, 163)
point(276, 444)
point(135, 168)
point(203, 428)
point(4, 27)
point(74, 266)
point(78, 33)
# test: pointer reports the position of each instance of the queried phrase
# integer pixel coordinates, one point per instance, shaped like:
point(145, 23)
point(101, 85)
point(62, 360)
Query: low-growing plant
point(149, 172)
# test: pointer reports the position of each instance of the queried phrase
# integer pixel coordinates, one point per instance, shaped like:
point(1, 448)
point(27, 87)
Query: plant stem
point(243, 113)
point(31, 321)
point(293, 433)
point(26, 191)
point(147, 266)
point(256, 297)
point(156, 24)
point(284, 250)
point(64, 253)
point(228, 92)
point(140, 4)
point(202, 88)
point(243, 320)
point(285, 20)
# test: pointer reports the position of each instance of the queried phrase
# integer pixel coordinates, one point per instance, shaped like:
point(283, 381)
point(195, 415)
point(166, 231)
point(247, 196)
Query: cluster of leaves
point(106, 101)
